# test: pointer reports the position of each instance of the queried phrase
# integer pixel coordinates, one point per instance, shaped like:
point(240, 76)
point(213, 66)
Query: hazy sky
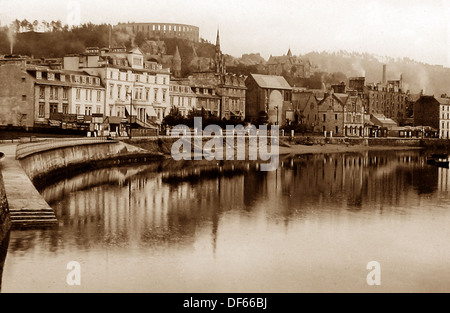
point(410, 28)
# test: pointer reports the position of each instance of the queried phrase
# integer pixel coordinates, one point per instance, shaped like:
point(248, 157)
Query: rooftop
point(271, 82)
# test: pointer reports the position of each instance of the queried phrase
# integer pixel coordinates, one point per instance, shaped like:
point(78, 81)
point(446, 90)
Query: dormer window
point(62, 78)
point(51, 76)
point(39, 75)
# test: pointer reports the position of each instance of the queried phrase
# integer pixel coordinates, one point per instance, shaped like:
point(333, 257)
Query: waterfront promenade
point(26, 205)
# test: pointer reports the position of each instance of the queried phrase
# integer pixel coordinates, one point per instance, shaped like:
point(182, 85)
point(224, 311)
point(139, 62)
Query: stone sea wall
point(5, 223)
point(44, 166)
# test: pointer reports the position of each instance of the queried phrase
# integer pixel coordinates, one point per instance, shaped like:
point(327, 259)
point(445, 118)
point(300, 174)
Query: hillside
point(58, 41)
point(417, 76)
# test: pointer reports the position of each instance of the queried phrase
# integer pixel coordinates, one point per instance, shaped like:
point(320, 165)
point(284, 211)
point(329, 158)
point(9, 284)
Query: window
point(111, 91)
point(335, 116)
point(53, 108)
point(65, 108)
point(88, 110)
point(41, 92)
point(39, 75)
point(62, 78)
point(324, 117)
point(83, 79)
point(119, 90)
point(65, 94)
point(78, 109)
point(164, 95)
point(337, 130)
point(41, 110)
point(24, 97)
point(147, 93)
point(156, 95)
point(98, 109)
point(126, 92)
point(87, 94)
point(51, 76)
point(99, 96)
point(137, 76)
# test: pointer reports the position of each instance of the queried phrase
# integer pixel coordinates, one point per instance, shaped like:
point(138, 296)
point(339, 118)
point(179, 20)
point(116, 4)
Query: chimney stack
point(384, 74)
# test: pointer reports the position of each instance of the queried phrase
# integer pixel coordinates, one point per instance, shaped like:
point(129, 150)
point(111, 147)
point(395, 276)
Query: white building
point(68, 99)
point(134, 87)
point(444, 118)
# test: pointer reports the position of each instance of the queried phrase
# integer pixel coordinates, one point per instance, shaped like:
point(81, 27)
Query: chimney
point(384, 74)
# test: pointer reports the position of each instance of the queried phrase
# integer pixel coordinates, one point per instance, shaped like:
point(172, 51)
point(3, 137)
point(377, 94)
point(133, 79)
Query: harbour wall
point(5, 223)
point(5, 226)
point(46, 166)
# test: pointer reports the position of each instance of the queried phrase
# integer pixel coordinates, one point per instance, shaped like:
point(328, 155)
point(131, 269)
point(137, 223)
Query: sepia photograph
point(234, 147)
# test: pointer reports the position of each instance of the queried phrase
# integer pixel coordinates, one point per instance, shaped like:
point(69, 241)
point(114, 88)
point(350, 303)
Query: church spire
point(218, 40)
point(289, 54)
point(177, 55)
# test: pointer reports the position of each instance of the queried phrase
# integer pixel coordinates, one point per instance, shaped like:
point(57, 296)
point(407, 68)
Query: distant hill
point(417, 76)
point(60, 41)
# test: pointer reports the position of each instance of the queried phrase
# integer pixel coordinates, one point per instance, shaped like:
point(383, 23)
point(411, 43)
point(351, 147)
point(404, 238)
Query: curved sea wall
point(5, 226)
point(5, 223)
point(47, 165)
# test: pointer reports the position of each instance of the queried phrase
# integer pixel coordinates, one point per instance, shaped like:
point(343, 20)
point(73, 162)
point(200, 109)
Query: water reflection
point(146, 206)
point(174, 205)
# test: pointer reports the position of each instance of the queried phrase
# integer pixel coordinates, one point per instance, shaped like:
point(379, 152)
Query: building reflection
point(148, 206)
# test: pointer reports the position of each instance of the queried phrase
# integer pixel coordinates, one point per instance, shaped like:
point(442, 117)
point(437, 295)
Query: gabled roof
point(302, 99)
point(381, 120)
point(342, 97)
point(271, 82)
point(136, 50)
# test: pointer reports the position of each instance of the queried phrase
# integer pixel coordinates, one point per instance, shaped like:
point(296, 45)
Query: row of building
point(106, 90)
point(111, 90)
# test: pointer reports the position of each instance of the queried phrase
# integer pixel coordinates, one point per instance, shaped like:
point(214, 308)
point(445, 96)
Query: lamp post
point(276, 107)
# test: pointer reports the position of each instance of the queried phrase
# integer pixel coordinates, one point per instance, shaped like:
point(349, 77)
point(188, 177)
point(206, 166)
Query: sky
point(416, 29)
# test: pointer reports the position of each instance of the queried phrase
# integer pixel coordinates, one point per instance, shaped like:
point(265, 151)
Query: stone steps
point(30, 218)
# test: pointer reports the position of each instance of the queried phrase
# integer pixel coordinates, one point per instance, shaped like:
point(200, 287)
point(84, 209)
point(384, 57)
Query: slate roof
point(271, 82)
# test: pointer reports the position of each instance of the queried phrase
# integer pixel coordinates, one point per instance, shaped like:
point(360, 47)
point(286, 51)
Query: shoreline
point(339, 148)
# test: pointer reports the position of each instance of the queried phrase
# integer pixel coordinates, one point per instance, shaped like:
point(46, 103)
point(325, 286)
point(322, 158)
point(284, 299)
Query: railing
point(26, 149)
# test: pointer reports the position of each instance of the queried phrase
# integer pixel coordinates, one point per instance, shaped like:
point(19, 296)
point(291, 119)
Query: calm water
point(311, 226)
